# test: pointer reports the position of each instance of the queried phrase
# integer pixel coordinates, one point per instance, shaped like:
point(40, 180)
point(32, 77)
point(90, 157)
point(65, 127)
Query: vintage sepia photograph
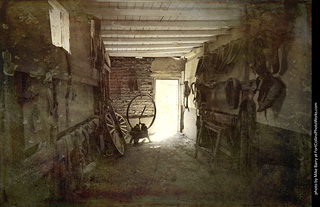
point(157, 103)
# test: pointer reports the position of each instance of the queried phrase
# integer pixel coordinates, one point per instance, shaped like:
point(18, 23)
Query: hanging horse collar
point(232, 91)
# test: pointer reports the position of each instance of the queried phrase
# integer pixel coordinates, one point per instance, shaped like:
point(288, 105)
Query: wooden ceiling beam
point(150, 54)
point(192, 1)
point(199, 33)
point(179, 50)
point(196, 14)
point(157, 40)
point(167, 24)
point(151, 46)
point(152, 1)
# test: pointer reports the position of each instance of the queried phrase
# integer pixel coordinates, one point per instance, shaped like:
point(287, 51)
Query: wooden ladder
point(214, 145)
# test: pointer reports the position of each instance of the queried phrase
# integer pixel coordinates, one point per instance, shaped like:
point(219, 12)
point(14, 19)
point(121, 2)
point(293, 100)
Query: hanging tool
point(186, 95)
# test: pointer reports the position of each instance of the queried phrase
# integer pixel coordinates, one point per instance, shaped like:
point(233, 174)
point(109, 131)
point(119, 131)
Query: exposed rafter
point(167, 24)
point(179, 50)
point(195, 1)
point(151, 46)
point(159, 40)
point(219, 14)
point(196, 33)
point(164, 28)
point(149, 54)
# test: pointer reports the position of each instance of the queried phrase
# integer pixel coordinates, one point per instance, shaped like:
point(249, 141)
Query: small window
point(59, 23)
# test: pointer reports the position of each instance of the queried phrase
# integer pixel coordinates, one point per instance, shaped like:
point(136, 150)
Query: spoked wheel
point(114, 129)
point(141, 107)
point(123, 125)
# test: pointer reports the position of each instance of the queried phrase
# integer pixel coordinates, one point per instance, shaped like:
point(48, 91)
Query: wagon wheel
point(143, 107)
point(114, 129)
point(123, 125)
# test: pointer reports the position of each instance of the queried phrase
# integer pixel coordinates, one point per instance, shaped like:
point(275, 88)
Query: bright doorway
point(167, 119)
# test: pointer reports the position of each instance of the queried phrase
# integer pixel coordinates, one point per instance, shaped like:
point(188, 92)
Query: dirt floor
point(166, 173)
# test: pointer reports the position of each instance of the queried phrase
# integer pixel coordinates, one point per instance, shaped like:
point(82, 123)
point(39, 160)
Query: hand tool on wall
point(187, 91)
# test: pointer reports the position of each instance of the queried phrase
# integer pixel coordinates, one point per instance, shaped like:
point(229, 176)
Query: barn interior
point(155, 103)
